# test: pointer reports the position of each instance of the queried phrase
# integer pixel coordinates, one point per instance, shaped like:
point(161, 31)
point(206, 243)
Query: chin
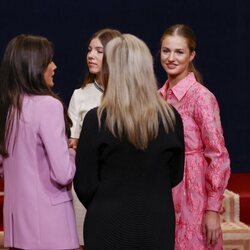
point(94, 71)
point(175, 71)
point(50, 84)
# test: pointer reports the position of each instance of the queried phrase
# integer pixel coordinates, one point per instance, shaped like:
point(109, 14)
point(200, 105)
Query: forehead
point(95, 42)
point(175, 41)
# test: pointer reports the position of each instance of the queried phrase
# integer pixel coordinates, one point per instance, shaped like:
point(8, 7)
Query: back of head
point(187, 33)
point(131, 98)
point(131, 67)
point(104, 35)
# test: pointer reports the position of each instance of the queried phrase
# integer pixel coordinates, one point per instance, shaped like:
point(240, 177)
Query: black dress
point(126, 191)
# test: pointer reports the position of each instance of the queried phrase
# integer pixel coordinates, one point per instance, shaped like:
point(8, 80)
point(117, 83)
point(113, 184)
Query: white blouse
point(82, 100)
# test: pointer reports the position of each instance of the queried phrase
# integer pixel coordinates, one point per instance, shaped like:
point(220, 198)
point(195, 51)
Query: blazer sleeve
point(52, 133)
point(177, 160)
point(215, 152)
point(86, 179)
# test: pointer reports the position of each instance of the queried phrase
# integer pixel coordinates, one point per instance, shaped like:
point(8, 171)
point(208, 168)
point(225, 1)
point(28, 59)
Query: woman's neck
point(173, 80)
point(98, 79)
point(98, 85)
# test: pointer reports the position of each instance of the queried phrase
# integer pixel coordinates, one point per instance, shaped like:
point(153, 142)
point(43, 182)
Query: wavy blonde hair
point(131, 101)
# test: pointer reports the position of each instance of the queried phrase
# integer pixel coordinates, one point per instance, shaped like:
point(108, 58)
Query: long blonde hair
point(132, 104)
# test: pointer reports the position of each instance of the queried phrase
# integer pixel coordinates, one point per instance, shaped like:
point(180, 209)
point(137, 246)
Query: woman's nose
point(91, 54)
point(171, 56)
point(54, 65)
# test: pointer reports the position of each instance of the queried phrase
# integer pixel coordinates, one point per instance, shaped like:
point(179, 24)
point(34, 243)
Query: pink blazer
point(38, 210)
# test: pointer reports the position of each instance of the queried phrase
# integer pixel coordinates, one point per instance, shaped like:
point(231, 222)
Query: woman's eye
point(165, 51)
point(179, 52)
point(100, 51)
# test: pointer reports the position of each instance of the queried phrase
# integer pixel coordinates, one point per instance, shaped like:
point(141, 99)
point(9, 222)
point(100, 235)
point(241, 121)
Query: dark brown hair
point(25, 60)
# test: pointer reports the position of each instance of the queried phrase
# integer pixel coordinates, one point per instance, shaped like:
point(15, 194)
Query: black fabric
point(127, 192)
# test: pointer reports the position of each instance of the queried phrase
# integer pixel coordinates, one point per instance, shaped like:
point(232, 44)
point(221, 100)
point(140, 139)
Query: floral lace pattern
point(207, 164)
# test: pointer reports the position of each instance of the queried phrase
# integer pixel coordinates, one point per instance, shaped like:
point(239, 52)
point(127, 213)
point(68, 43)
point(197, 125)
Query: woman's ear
point(192, 56)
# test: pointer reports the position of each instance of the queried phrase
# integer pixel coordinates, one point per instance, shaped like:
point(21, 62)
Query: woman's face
point(95, 56)
point(49, 73)
point(176, 56)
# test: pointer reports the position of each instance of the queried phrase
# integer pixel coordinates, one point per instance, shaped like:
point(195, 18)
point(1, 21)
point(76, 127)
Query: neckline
point(98, 86)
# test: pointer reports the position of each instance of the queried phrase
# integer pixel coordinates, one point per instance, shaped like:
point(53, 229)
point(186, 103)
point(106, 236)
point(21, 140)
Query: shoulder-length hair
point(25, 60)
point(131, 101)
point(104, 35)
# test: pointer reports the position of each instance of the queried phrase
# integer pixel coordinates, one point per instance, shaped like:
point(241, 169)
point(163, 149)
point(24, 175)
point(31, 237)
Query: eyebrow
point(164, 47)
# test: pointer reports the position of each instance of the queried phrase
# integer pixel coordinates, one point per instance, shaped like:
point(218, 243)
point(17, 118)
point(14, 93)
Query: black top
point(126, 191)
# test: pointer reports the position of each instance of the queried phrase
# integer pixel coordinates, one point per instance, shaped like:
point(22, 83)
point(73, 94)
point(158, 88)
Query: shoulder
point(84, 92)
point(201, 89)
point(88, 87)
point(46, 103)
point(90, 123)
point(205, 104)
point(201, 94)
point(91, 117)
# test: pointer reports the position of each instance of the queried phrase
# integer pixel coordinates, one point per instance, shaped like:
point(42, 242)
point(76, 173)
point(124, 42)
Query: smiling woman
point(198, 198)
point(176, 57)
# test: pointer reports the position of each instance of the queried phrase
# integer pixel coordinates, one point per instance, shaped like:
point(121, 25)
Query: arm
point(86, 179)
point(218, 170)
point(75, 116)
point(177, 161)
point(52, 133)
point(211, 227)
point(73, 143)
point(215, 152)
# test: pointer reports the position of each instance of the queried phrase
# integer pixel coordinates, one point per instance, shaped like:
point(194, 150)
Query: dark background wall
point(223, 54)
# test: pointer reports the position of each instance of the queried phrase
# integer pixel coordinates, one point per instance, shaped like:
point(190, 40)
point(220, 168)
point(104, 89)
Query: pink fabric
point(38, 209)
point(207, 163)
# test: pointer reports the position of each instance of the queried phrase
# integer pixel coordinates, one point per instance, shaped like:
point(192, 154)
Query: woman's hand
point(73, 143)
point(212, 228)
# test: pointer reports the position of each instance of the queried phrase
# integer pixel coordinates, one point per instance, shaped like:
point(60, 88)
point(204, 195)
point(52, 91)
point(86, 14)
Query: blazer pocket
point(61, 197)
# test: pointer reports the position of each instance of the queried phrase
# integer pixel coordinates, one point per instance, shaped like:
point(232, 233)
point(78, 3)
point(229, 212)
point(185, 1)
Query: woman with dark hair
point(88, 97)
point(198, 198)
point(36, 163)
